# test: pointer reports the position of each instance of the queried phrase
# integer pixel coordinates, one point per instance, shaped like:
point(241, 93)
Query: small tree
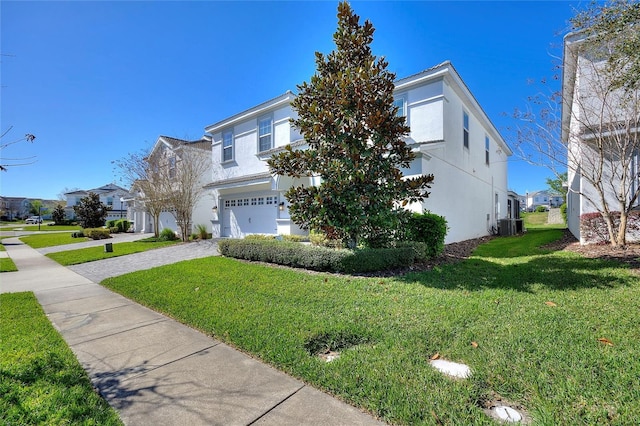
point(37, 208)
point(355, 137)
point(603, 144)
point(58, 215)
point(558, 184)
point(186, 186)
point(149, 181)
point(90, 211)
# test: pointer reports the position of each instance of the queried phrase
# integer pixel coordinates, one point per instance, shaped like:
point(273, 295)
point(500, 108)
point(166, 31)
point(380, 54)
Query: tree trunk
point(622, 229)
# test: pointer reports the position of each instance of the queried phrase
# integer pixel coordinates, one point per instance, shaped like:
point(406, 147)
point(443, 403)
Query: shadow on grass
point(551, 272)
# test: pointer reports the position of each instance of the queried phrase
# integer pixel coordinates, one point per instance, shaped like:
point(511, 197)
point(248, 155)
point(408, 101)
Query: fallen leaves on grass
point(605, 341)
point(474, 344)
point(550, 304)
point(435, 356)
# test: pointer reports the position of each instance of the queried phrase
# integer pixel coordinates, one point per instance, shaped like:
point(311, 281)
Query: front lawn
point(51, 239)
point(41, 381)
point(43, 227)
point(90, 254)
point(528, 323)
point(7, 265)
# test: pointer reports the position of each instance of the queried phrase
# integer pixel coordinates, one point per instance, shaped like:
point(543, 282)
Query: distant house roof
point(110, 187)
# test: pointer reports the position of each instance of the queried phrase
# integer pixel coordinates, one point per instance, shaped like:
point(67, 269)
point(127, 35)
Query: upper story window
point(465, 129)
point(401, 103)
point(110, 201)
point(486, 149)
point(227, 146)
point(265, 131)
point(172, 167)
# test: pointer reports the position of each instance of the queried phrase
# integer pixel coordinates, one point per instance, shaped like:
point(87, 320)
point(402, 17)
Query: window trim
point(230, 148)
point(465, 129)
point(487, 148)
point(270, 134)
point(402, 97)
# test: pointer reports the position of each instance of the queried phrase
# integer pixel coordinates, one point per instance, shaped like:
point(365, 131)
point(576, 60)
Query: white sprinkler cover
point(507, 414)
point(451, 368)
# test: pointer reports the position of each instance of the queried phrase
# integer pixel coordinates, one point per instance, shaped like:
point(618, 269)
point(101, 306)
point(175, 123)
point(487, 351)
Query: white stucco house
point(596, 119)
point(172, 150)
point(111, 195)
point(452, 137)
point(543, 198)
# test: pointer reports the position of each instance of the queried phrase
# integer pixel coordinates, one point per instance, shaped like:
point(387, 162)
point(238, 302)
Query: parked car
point(33, 220)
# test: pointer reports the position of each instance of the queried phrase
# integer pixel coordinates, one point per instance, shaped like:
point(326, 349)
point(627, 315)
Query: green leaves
point(346, 115)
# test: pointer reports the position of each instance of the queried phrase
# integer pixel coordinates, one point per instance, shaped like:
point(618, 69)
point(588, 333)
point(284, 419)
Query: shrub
point(563, 211)
point(201, 232)
point(77, 234)
point(295, 238)
point(594, 228)
point(429, 229)
point(114, 230)
point(322, 258)
point(97, 233)
point(111, 223)
point(260, 237)
point(321, 239)
point(167, 235)
point(541, 209)
point(122, 225)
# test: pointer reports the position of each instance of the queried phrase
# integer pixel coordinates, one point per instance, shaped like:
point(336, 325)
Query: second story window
point(227, 146)
point(401, 103)
point(465, 130)
point(486, 149)
point(110, 202)
point(265, 130)
point(172, 167)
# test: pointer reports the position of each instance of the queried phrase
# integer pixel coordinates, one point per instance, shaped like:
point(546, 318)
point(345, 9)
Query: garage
point(249, 213)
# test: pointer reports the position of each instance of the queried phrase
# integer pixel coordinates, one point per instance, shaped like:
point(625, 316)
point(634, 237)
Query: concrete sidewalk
point(154, 370)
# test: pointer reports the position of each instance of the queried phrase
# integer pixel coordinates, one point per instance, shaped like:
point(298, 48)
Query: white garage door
point(249, 214)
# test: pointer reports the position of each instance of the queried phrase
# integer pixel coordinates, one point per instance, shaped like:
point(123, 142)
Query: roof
point(110, 187)
point(287, 97)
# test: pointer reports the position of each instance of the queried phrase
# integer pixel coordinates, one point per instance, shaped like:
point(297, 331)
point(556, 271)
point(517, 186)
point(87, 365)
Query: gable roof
point(104, 189)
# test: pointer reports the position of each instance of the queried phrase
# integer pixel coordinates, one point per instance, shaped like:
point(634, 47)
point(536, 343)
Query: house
point(547, 199)
point(451, 136)
point(167, 153)
point(111, 195)
point(595, 120)
point(14, 208)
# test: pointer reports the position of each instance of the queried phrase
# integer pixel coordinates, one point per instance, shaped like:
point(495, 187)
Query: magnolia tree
point(597, 138)
point(90, 211)
point(355, 136)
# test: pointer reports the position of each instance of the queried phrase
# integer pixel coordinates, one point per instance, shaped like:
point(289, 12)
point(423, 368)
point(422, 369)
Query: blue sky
point(96, 80)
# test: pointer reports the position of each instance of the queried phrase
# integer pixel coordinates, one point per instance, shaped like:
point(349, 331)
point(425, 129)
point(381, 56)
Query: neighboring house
point(451, 136)
point(111, 195)
point(170, 150)
point(14, 208)
point(588, 124)
point(544, 198)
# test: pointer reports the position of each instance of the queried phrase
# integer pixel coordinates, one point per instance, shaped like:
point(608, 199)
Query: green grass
point(7, 265)
point(41, 381)
point(52, 239)
point(43, 227)
point(90, 254)
point(546, 358)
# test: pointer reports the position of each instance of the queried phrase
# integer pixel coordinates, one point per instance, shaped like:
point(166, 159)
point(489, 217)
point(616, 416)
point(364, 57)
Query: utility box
point(108, 248)
point(507, 227)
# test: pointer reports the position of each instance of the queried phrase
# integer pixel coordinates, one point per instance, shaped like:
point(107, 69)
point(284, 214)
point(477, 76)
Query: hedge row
point(322, 258)
point(120, 225)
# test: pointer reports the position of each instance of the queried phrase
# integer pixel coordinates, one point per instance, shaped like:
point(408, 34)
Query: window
point(254, 201)
point(465, 129)
point(264, 134)
point(401, 103)
point(271, 200)
point(486, 149)
point(110, 202)
point(245, 202)
point(261, 201)
point(172, 167)
point(227, 146)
